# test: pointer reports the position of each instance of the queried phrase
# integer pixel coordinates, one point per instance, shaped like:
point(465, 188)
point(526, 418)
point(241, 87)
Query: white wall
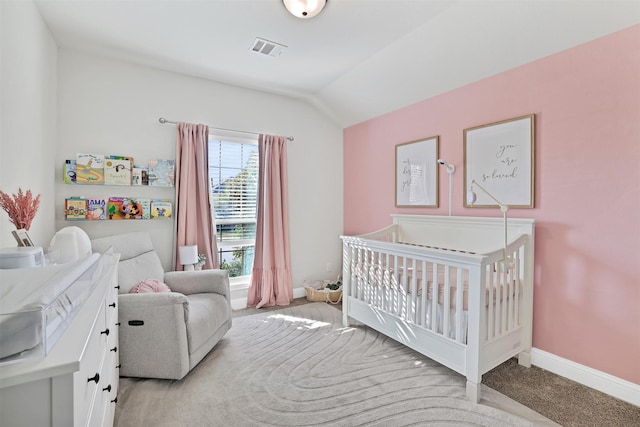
point(28, 90)
point(113, 107)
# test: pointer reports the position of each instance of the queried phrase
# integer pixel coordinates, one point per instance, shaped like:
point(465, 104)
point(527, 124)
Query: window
point(233, 172)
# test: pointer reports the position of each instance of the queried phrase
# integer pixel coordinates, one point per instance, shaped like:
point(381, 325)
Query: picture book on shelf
point(140, 175)
point(97, 208)
point(69, 172)
point(144, 206)
point(161, 208)
point(161, 173)
point(114, 207)
point(75, 208)
point(118, 170)
point(124, 208)
point(89, 168)
point(131, 209)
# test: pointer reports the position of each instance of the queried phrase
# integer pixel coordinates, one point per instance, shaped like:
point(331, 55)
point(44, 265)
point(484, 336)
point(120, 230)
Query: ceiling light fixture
point(304, 9)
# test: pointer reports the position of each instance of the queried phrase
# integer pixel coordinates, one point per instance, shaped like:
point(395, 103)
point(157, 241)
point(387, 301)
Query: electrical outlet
point(329, 267)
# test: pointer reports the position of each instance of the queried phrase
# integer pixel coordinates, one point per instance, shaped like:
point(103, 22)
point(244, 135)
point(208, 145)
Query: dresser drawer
point(103, 405)
point(88, 379)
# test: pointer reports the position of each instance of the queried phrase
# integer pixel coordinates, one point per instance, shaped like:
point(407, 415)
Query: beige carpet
point(299, 367)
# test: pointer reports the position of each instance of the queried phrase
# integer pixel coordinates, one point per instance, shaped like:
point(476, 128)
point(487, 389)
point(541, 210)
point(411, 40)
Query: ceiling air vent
point(267, 47)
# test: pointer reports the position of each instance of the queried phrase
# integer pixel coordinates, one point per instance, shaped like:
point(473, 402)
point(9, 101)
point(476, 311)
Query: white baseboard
point(598, 380)
point(240, 303)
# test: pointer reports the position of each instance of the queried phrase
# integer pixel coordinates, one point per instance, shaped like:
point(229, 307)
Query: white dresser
point(76, 384)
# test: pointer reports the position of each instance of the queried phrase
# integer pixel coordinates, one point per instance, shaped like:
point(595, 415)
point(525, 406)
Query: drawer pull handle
point(107, 388)
point(112, 305)
point(115, 400)
point(136, 322)
point(105, 332)
point(114, 349)
point(95, 378)
point(118, 324)
point(116, 287)
point(118, 367)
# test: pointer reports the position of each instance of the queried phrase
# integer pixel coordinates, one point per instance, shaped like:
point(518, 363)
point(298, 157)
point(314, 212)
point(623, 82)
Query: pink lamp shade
point(188, 256)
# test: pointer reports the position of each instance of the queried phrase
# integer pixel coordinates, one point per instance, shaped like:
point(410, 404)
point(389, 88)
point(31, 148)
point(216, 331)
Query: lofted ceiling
point(356, 60)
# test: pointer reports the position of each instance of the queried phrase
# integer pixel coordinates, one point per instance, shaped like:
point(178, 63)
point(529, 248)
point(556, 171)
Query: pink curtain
point(271, 282)
point(193, 206)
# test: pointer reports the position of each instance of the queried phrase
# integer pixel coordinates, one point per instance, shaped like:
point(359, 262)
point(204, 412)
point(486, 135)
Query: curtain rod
point(164, 121)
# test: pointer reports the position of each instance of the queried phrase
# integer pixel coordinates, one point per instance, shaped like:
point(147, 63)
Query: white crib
point(390, 278)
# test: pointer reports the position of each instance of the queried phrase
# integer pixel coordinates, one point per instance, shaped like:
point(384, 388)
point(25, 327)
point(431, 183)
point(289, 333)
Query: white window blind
point(233, 171)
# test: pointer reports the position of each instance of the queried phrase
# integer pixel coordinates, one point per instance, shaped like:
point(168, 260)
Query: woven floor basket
point(324, 295)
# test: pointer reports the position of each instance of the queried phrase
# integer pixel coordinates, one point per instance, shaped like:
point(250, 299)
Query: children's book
point(75, 208)
point(140, 175)
point(161, 209)
point(97, 208)
point(114, 207)
point(89, 169)
point(69, 172)
point(131, 209)
point(145, 207)
point(118, 170)
point(161, 173)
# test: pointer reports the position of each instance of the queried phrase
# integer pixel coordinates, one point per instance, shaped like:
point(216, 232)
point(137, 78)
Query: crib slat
point(358, 273)
point(509, 277)
point(377, 271)
point(491, 273)
point(459, 305)
point(498, 305)
point(423, 296)
point(395, 285)
point(517, 290)
point(446, 301)
point(401, 287)
point(411, 311)
point(434, 298)
point(365, 274)
point(503, 284)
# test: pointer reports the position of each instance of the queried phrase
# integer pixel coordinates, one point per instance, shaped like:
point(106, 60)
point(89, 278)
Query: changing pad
point(36, 304)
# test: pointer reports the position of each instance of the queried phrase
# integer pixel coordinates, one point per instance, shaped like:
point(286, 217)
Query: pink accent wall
point(587, 188)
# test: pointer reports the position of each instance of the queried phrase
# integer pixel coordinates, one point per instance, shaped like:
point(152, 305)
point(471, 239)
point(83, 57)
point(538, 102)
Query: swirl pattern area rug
point(299, 367)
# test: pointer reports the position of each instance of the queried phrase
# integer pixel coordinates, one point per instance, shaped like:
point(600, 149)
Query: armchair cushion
point(138, 259)
point(207, 313)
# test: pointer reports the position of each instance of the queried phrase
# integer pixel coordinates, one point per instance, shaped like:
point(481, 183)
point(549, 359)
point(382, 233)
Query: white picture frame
point(500, 157)
point(22, 237)
point(417, 173)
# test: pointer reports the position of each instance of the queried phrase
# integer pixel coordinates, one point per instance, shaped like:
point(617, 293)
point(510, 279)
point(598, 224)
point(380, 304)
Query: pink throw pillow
point(148, 286)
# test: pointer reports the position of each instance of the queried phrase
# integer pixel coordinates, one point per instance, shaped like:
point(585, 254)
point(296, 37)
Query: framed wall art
point(500, 157)
point(417, 173)
point(22, 237)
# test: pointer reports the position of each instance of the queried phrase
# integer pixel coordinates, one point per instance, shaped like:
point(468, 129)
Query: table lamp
point(188, 256)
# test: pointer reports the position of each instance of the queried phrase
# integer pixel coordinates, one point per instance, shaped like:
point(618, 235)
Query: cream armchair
point(165, 334)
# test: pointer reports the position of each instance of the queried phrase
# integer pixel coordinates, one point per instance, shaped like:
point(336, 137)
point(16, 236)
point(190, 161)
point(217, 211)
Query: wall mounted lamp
point(188, 256)
point(304, 9)
point(450, 170)
point(471, 199)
